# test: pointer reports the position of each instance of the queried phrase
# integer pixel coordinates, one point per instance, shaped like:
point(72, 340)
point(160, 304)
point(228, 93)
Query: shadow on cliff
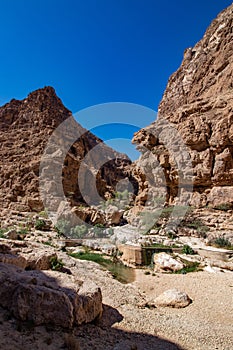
point(102, 336)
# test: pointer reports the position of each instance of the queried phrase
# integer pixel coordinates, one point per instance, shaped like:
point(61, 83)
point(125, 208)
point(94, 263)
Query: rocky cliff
point(198, 104)
point(25, 130)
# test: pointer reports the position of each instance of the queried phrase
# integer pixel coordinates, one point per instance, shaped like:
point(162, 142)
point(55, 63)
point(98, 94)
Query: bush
point(98, 230)
point(40, 224)
point(62, 227)
point(187, 250)
point(44, 214)
point(222, 242)
point(23, 231)
point(79, 231)
point(171, 235)
point(2, 231)
point(56, 264)
point(223, 207)
point(199, 226)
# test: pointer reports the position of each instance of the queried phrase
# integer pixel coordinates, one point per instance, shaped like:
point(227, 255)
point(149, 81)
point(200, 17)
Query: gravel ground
point(128, 324)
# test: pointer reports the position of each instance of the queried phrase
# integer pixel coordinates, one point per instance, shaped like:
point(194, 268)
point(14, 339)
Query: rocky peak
point(41, 108)
point(25, 128)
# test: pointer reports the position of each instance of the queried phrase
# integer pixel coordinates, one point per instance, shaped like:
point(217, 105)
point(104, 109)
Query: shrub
point(40, 224)
point(187, 250)
point(56, 264)
point(222, 242)
point(98, 230)
point(48, 243)
point(62, 227)
point(171, 235)
point(2, 231)
point(199, 226)
point(79, 231)
point(110, 231)
point(223, 207)
point(43, 214)
point(23, 231)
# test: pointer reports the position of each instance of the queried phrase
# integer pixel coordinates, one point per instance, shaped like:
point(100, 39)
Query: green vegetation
point(79, 231)
point(40, 224)
point(56, 264)
point(176, 212)
point(117, 269)
point(120, 200)
point(162, 246)
point(190, 267)
point(157, 245)
point(122, 195)
point(48, 243)
point(43, 214)
point(187, 250)
point(223, 207)
point(171, 235)
point(98, 258)
point(98, 230)
point(2, 231)
point(199, 226)
point(222, 242)
point(110, 231)
point(23, 231)
point(62, 227)
point(152, 219)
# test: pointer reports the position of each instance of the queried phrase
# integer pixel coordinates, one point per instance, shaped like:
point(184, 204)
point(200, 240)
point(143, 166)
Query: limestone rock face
point(198, 103)
point(26, 255)
point(44, 297)
point(25, 129)
point(173, 298)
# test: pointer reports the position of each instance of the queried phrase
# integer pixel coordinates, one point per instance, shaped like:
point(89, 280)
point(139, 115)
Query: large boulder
point(48, 297)
point(164, 262)
point(173, 298)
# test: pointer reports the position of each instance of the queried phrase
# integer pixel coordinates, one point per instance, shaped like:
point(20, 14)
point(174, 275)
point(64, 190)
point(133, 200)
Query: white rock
point(173, 298)
point(164, 262)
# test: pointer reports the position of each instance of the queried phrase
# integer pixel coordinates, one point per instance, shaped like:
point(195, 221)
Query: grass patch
point(189, 269)
point(191, 266)
point(2, 231)
point(98, 258)
point(122, 273)
point(49, 243)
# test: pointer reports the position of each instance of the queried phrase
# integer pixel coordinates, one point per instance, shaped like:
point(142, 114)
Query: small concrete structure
point(137, 255)
point(132, 255)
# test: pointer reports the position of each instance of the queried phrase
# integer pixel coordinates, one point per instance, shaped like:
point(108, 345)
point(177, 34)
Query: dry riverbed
point(129, 324)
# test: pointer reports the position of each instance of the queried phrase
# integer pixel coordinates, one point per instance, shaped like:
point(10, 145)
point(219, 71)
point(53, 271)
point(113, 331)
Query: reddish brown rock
point(25, 129)
point(198, 103)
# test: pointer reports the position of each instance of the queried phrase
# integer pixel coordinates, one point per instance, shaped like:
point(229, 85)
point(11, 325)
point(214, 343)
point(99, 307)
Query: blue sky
point(98, 51)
